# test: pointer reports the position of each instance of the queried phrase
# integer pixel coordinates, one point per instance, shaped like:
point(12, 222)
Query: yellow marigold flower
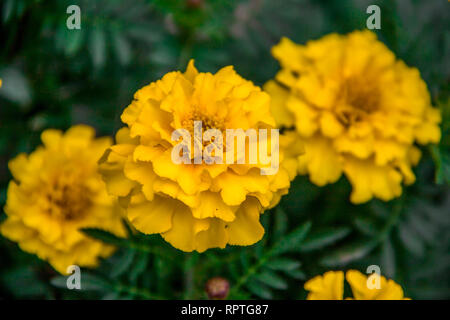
point(358, 110)
point(389, 290)
point(56, 191)
point(330, 286)
point(193, 206)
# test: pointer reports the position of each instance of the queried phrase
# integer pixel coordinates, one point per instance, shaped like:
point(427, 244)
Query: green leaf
point(283, 264)
point(8, 9)
point(296, 274)
point(349, 253)
point(122, 48)
point(411, 241)
point(245, 261)
point(89, 282)
point(366, 225)
point(124, 263)
point(322, 238)
point(259, 289)
point(272, 280)
point(280, 223)
point(104, 236)
point(388, 259)
point(292, 241)
point(59, 282)
point(97, 47)
point(139, 266)
point(23, 282)
point(74, 41)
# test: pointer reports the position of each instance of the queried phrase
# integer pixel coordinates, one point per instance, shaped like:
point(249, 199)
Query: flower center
point(359, 97)
point(208, 121)
point(68, 200)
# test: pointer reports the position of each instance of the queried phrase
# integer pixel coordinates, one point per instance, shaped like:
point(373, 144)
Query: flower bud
point(217, 288)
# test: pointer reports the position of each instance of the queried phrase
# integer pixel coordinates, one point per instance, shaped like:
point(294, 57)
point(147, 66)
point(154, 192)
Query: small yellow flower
point(389, 290)
point(357, 109)
point(194, 206)
point(56, 191)
point(330, 286)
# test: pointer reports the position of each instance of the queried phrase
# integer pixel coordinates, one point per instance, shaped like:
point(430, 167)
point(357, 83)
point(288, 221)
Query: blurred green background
point(54, 77)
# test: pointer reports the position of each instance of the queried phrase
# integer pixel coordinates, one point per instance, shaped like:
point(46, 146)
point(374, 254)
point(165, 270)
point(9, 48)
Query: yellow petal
point(329, 286)
point(152, 216)
point(246, 229)
point(320, 160)
point(370, 180)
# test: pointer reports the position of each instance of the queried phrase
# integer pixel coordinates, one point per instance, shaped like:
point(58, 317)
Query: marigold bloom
point(193, 206)
point(357, 109)
point(56, 191)
point(330, 286)
point(389, 290)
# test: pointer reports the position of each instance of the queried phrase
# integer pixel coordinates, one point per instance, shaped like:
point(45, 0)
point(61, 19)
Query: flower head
point(357, 109)
point(330, 286)
point(389, 290)
point(56, 191)
point(194, 205)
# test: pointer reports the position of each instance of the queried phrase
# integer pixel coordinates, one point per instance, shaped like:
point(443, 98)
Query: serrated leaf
point(411, 241)
point(271, 279)
point(74, 41)
point(283, 264)
point(97, 47)
point(124, 263)
point(366, 226)
point(296, 274)
point(323, 238)
point(104, 236)
point(260, 290)
point(8, 9)
point(348, 253)
point(292, 241)
point(122, 48)
point(92, 282)
point(139, 266)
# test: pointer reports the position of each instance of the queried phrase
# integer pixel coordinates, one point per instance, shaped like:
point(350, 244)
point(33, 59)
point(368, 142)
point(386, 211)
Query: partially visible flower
point(357, 109)
point(330, 286)
point(56, 191)
point(389, 290)
point(217, 288)
point(194, 206)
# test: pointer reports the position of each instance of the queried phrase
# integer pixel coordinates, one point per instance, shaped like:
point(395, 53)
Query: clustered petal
point(330, 286)
point(194, 206)
point(357, 110)
point(57, 190)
